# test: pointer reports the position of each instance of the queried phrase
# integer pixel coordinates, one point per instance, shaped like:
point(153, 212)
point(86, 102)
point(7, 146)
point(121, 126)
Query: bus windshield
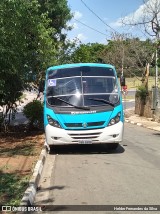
point(82, 86)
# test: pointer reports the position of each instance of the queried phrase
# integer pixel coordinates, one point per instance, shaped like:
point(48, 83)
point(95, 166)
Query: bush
point(34, 113)
point(142, 92)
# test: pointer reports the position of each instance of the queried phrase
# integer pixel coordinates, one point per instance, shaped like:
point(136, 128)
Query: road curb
point(29, 195)
point(140, 124)
point(132, 122)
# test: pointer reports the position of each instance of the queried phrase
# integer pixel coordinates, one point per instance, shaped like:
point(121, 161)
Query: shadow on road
point(156, 134)
point(86, 149)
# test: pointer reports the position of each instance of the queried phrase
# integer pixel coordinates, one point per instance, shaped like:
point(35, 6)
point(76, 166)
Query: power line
point(91, 27)
point(98, 17)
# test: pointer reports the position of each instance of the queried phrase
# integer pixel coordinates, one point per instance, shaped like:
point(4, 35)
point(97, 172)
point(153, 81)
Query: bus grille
point(85, 136)
point(80, 125)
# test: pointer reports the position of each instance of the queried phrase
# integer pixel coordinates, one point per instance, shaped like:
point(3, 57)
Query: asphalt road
point(127, 104)
point(95, 175)
point(129, 99)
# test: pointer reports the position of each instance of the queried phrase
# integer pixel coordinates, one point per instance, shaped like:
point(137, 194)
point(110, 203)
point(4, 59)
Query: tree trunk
point(145, 76)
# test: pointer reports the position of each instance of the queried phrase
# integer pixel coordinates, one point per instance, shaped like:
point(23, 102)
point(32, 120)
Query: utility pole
point(156, 30)
point(122, 57)
point(156, 74)
point(122, 78)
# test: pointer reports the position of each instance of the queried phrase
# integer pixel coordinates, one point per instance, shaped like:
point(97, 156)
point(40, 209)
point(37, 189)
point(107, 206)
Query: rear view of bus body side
point(83, 105)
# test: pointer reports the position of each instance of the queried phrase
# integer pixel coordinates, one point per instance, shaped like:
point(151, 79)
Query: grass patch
point(128, 97)
point(135, 83)
point(19, 153)
point(12, 188)
point(27, 150)
point(12, 144)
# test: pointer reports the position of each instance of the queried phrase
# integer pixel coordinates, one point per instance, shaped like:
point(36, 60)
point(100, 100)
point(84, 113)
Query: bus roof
point(80, 64)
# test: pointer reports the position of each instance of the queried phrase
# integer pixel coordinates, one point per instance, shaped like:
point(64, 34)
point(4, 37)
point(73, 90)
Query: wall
point(144, 107)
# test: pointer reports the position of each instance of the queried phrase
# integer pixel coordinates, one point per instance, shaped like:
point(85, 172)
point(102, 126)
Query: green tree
point(87, 52)
point(27, 43)
point(59, 13)
point(34, 112)
point(24, 36)
point(158, 48)
point(129, 54)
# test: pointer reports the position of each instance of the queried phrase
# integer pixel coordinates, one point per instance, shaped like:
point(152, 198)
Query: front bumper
point(57, 136)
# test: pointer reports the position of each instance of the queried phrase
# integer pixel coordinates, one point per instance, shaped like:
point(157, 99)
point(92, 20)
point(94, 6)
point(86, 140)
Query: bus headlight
point(115, 120)
point(53, 122)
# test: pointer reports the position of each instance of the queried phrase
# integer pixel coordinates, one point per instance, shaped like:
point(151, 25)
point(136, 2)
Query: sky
point(110, 12)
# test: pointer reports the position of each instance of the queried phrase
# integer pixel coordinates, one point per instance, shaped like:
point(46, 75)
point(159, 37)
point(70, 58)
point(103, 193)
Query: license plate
point(85, 142)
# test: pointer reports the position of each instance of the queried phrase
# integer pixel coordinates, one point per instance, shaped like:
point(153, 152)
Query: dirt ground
point(19, 152)
point(129, 112)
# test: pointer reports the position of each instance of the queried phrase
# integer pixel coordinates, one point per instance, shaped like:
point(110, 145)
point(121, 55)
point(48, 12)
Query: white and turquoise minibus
point(83, 105)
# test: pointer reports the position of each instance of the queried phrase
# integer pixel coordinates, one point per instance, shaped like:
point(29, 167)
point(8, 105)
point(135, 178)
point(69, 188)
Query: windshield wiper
point(102, 100)
point(80, 107)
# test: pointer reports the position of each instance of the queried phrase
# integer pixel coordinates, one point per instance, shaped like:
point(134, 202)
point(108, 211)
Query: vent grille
point(80, 125)
point(85, 136)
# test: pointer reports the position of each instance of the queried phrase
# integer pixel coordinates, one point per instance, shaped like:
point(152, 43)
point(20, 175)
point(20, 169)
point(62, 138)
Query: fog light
point(55, 138)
